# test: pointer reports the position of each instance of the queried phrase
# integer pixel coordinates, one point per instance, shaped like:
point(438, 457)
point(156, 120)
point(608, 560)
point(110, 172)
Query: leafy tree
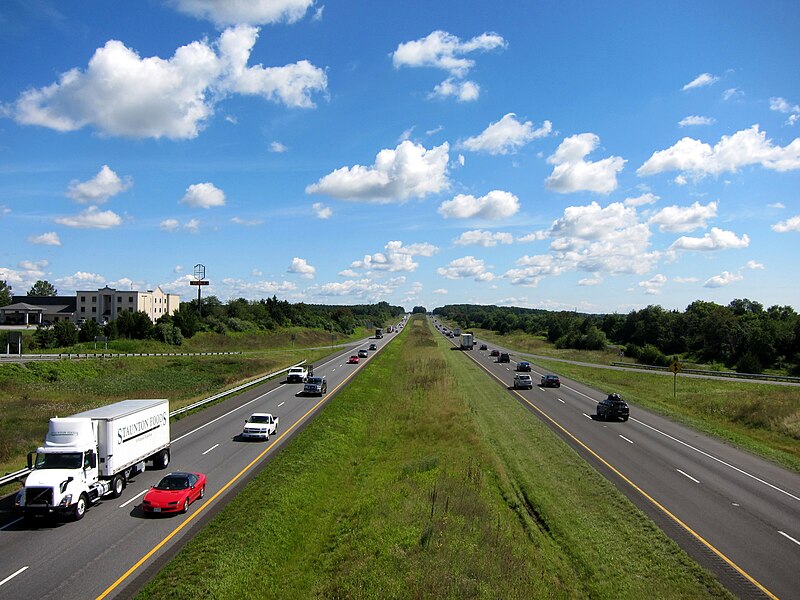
point(5, 293)
point(89, 330)
point(419, 310)
point(185, 319)
point(43, 288)
point(66, 334)
point(44, 338)
point(134, 325)
point(169, 333)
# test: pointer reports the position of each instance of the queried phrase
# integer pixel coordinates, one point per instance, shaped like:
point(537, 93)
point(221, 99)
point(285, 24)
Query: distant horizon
point(557, 157)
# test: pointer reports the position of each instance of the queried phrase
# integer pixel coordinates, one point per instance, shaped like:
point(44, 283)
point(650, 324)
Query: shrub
point(749, 363)
point(650, 355)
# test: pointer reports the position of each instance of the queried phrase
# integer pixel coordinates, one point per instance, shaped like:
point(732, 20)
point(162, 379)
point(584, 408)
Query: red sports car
point(353, 360)
point(174, 493)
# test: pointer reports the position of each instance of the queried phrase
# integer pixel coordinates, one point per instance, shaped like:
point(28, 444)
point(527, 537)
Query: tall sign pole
point(199, 280)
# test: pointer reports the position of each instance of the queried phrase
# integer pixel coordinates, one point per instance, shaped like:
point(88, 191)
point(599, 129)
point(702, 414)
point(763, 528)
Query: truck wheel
point(162, 462)
point(79, 509)
point(117, 485)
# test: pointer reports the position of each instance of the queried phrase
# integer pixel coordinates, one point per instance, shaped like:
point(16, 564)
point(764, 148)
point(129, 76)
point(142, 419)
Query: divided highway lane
point(735, 513)
point(115, 544)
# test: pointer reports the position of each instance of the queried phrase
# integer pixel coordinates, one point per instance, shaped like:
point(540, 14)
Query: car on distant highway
point(354, 360)
point(373, 346)
point(524, 366)
point(523, 381)
point(494, 353)
point(550, 381)
point(174, 493)
point(316, 386)
point(504, 358)
point(484, 347)
point(363, 353)
point(613, 407)
point(259, 426)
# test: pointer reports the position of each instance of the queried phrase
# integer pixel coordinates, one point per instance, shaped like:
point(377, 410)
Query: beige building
point(103, 306)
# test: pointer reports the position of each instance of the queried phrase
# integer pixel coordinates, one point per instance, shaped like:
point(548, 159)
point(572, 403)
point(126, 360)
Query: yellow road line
point(208, 502)
point(655, 503)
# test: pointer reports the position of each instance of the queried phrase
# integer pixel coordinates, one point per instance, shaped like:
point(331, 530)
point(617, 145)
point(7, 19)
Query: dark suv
point(612, 407)
point(504, 357)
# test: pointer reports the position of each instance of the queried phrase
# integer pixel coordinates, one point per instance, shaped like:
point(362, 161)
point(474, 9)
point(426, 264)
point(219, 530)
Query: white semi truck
point(93, 454)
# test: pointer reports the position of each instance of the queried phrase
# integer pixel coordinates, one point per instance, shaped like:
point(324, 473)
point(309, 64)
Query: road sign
point(676, 367)
point(198, 283)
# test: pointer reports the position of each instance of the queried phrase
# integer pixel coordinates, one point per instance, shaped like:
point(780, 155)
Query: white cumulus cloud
point(203, 195)
point(465, 268)
point(122, 94)
point(92, 218)
point(408, 171)
point(723, 279)
point(277, 148)
point(572, 173)
point(506, 136)
point(46, 239)
point(443, 50)
point(301, 267)
point(321, 211)
point(692, 120)
point(790, 224)
point(99, 188)
point(743, 148)
point(653, 285)
point(480, 237)
point(396, 257)
point(684, 218)
point(497, 204)
point(253, 12)
point(702, 80)
point(716, 239)
point(463, 91)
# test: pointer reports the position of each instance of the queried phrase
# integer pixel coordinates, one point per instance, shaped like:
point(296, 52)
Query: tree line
point(742, 335)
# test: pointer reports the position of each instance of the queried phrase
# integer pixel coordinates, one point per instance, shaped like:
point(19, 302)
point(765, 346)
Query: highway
point(115, 548)
point(736, 514)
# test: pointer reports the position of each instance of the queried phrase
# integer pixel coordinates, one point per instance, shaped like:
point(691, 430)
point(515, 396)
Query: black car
point(612, 407)
point(504, 357)
point(524, 365)
point(550, 381)
point(484, 347)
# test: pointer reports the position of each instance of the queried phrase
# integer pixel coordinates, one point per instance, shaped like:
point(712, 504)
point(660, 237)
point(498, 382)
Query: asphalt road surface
point(116, 548)
point(736, 514)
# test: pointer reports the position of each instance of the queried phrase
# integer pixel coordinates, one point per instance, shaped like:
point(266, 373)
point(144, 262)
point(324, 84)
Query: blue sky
point(559, 155)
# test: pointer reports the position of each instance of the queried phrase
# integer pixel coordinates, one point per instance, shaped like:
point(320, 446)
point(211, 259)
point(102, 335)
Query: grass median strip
point(423, 478)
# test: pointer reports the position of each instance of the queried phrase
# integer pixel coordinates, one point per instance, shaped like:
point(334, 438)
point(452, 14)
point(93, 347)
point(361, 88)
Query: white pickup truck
point(297, 375)
point(260, 426)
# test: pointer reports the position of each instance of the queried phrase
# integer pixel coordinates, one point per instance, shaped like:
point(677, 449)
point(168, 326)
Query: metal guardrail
point(731, 374)
point(9, 477)
point(13, 358)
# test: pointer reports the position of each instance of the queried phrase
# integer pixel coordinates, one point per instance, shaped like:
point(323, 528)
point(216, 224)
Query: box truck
point(466, 341)
point(93, 454)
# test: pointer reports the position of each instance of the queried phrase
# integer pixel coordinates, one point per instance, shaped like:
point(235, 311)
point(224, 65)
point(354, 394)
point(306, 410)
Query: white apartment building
point(103, 305)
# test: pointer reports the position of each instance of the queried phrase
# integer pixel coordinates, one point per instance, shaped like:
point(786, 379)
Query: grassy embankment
point(31, 393)
point(424, 479)
point(761, 418)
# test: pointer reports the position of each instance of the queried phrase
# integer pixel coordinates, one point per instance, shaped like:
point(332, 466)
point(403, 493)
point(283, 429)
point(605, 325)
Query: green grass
point(31, 393)
point(424, 479)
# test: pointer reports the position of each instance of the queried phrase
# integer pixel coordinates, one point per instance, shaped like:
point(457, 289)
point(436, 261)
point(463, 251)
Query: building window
point(83, 298)
point(94, 309)
point(94, 298)
point(119, 299)
point(130, 298)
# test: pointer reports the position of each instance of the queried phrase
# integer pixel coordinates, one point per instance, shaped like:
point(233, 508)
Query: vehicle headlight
point(66, 500)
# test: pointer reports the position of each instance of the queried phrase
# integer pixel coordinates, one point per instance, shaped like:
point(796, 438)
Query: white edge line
point(719, 460)
point(626, 439)
point(585, 415)
point(210, 449)
point(7, 525)
point(786, 535)
point(687, 476)
point(281, 404)
point(562, 402)
point(10, 577)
